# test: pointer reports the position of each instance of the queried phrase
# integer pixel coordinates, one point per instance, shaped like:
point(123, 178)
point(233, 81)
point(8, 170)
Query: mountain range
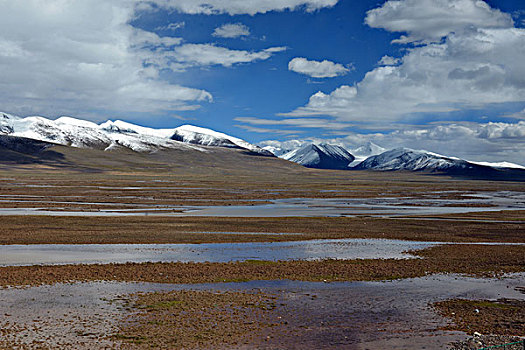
point(30, 136)
point(376, 158)
point(112, 135)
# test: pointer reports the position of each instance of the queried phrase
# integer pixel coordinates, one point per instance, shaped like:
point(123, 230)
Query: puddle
point(350, 315)
point(208, 252)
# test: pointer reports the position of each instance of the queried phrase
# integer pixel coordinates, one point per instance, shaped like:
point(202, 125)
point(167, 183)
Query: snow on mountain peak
point(414, 160)
point(76, 122)
point(117, 134)
point(207, 137)
point(322, 156)
point(368, 149)
point(500, 165)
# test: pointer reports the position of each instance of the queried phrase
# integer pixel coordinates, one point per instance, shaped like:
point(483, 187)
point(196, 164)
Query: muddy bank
point(350, 315)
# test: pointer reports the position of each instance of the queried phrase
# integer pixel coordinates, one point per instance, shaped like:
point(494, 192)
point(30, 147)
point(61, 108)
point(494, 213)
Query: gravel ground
point(484, 341)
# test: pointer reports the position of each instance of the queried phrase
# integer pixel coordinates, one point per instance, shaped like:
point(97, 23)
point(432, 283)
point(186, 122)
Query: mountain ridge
point(320, 156)
point(114, 135)
point(406, 159)
point(110, 135)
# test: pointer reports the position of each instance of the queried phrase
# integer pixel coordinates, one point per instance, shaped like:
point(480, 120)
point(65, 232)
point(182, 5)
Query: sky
point(447, 76)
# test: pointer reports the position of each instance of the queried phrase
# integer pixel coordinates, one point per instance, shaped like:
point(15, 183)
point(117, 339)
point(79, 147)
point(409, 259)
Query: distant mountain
point(408, 159)
point(360, 153)
point(113, 135)
point(21, 150)
point(281, 148)
point(423, 161)
point(276, 151)
point(500, 165)
point(321, 156)
point(364, 151)
point(368, 149)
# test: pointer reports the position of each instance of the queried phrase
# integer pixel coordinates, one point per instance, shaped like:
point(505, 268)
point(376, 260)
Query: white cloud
point(65, 56)
point(317, 123)
point(431, 20)
point(317, 69)
point(172, 26)
point(79, 58)
point(231, 30)
point(517, 115)
point(388, 61)
point(208, 55)
point(469, 69)
point(268, 131)
point(240, 7)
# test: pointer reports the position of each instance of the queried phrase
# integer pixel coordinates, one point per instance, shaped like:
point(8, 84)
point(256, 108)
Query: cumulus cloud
point(82, 58)
point(388, 61)
point(241, 7)
point(317, 69)
point(468, 69)
point(231, 30)
point(72, 57)
point(431, 20)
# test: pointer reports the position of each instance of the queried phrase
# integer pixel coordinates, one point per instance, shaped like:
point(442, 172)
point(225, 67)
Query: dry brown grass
point(502, 317)
point(194, 319)
point(466, 259)
point(77, 230)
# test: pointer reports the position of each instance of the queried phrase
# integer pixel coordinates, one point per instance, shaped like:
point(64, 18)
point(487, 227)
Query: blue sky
point(442, 75)
point(267, 88)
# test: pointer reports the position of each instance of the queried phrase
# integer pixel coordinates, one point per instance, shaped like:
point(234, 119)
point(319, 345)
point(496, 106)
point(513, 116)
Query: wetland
point(326, 259)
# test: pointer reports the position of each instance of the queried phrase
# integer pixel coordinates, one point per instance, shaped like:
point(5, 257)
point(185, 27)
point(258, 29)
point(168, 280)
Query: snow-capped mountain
point(206, 137)
point(276, 151)
point(507, 165)
point(280, 148)
point(368, 149)
point(409, 159)
point(112, 135)
point(364, 151)
point(321, 156)
point(423, 161)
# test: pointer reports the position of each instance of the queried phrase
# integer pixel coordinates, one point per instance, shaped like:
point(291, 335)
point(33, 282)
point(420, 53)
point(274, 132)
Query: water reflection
point(297, 207)
point(212, 252)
